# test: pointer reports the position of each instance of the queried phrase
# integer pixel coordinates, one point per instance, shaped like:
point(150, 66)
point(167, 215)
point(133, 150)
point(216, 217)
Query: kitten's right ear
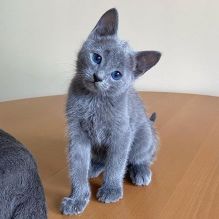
point(107, 25)
point(144, 61)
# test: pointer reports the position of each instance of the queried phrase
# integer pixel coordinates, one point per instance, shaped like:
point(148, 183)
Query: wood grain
point(185, 176)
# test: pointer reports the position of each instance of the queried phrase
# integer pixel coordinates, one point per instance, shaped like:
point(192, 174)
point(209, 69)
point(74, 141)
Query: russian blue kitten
point(21, 191)
point(108, 129)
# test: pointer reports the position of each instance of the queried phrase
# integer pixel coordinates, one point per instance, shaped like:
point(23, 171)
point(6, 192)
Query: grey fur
point(21, 192)
point(107, 125)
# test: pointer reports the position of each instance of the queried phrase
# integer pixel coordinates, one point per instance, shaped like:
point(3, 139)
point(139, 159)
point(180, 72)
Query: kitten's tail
point(153, 117)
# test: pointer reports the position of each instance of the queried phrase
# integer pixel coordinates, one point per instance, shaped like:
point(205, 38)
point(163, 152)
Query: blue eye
point(116, 75)
point(96, 58)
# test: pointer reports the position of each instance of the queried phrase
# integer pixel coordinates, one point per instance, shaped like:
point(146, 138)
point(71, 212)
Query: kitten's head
point(106, 64)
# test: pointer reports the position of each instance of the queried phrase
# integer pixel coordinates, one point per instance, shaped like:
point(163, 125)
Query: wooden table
point(185, 180)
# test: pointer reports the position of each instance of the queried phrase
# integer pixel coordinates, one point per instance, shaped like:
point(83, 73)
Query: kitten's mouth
point(93, 84)
point(96, 85)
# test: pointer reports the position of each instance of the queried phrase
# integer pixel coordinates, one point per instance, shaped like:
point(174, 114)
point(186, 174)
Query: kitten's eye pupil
point(116, 75)
point(96, 58)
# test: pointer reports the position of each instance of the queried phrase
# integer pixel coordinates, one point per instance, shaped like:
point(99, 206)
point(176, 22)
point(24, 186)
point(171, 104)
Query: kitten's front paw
point(140, 175)
point(74, 206)
point(108, 194)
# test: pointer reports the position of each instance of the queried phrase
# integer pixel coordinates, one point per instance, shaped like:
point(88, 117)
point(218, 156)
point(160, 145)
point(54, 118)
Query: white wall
point(39, 40)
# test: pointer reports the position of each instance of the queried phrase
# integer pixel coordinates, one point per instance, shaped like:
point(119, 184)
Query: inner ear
point(108, 24)
point(145, 60)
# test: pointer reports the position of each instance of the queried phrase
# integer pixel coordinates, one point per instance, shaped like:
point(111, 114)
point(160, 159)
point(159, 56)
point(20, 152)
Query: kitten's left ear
point(107, 25)
point(145, 60)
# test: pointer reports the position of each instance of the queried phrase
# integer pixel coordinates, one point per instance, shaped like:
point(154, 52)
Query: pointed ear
point(145, 60)
point(107, 25)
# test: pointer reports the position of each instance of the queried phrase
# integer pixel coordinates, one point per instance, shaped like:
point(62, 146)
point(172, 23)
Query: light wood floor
point(185, 182)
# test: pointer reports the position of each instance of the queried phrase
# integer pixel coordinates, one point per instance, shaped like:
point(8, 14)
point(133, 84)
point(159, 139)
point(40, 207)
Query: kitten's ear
point(145, 60)
point(107, 25)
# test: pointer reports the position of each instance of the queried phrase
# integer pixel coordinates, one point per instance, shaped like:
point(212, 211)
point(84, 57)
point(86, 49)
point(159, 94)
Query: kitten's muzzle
point(97, 78)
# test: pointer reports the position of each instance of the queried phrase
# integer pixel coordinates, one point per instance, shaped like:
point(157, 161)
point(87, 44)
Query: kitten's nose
point(97, 78)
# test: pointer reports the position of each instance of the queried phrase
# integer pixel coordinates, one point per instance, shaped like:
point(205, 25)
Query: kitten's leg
point(79, 160)
point(97, 162)
point(142, 154)
point(117, 154)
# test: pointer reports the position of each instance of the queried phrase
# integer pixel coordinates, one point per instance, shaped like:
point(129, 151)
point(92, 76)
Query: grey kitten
point(107, 125)
point(21, 192)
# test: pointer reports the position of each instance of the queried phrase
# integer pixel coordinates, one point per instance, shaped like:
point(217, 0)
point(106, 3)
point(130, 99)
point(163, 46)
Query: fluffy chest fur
point(100, 116)
point(97, 121)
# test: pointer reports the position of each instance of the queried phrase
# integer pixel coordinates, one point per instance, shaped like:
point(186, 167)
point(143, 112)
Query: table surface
point(185, 180)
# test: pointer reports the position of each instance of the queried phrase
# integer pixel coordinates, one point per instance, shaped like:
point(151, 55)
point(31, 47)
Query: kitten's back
point(22, 194)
